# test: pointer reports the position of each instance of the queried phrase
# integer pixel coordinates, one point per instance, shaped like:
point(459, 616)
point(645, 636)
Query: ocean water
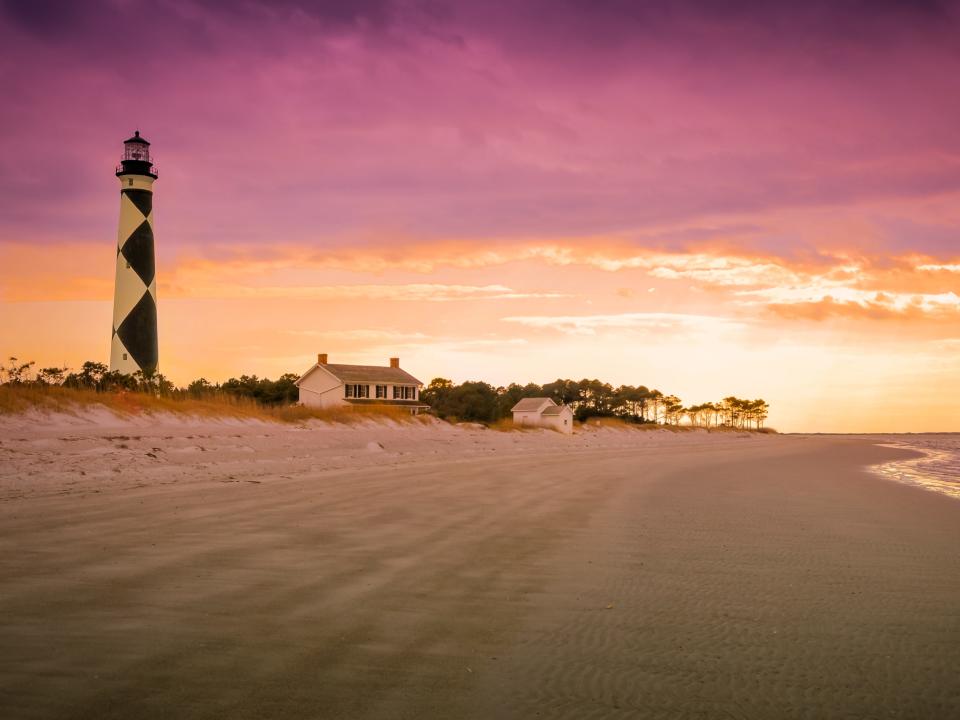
point(939, 468)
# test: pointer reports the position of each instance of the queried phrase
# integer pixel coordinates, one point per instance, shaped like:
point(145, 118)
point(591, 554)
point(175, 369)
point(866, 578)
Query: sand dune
point(256, 571)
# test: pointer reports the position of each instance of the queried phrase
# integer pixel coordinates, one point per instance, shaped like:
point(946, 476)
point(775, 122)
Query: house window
point(405, 392)
point(382, 391)
point(397, 394)
point(356, 391)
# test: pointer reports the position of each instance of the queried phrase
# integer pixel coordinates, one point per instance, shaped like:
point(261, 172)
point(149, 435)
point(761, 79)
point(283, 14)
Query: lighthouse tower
point(133, 345)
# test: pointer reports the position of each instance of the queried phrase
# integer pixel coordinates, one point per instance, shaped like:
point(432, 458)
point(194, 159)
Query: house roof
point(553, 409)
point(531, 404)
point(374, 374)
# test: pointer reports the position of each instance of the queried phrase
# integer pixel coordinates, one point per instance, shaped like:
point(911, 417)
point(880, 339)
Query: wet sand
point(701, 578)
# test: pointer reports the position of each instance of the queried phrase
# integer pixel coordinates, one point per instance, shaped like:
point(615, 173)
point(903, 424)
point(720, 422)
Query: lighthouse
point(133, 345)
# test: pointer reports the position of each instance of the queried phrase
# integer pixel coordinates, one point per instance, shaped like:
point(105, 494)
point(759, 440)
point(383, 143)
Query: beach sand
point(256, 571)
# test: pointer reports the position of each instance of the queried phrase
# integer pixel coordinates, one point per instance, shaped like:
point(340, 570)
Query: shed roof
point(531, 404)
point(554, 409)
point(366, 374)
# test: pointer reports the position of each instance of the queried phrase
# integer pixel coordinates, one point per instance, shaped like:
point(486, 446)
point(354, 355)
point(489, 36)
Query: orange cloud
point(414, 292)
point(652, 321)
point(881, 307)
point(917, 287)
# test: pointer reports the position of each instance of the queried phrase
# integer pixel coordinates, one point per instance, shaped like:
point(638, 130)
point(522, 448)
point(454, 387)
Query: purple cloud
point(327, 124)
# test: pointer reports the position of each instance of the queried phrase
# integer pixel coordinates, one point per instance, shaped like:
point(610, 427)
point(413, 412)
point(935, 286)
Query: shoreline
point(935, 466)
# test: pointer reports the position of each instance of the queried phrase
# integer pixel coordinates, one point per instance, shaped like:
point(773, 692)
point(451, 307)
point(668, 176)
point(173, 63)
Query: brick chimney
point(394, 362)
point(321, 358)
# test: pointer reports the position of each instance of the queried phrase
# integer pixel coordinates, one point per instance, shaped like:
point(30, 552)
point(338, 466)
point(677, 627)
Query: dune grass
point(506, 424)
point(15, 399)
point(728, 429)
point(617, 423)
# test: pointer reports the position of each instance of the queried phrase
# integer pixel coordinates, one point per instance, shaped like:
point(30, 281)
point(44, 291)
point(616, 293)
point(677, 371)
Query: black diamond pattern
point(138, 250)
point(143, 199)
point(138, 333)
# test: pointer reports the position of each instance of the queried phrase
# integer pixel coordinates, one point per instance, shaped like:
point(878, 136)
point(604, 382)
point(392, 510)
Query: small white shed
point(543, 412)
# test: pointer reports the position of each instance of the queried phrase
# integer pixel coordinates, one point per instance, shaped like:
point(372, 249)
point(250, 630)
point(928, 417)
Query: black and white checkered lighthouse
point(134, 342)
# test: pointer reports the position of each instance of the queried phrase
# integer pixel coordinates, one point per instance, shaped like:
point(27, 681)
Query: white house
point(326, 385)
point(543, 412)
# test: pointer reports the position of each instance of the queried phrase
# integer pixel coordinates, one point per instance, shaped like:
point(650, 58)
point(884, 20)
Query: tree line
point(99, 378)
point(472, 401)
point(481, 402)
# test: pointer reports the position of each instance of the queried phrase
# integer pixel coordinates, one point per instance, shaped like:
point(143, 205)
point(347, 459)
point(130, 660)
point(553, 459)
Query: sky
point(709, 198)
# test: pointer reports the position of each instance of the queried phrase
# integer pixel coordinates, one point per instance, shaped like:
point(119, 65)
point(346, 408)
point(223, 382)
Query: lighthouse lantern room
point(136, 157)
point(133, 343)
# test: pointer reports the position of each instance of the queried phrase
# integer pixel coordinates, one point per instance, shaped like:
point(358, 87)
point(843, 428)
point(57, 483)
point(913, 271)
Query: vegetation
point(58, 389)
point(480, 402)
point(97, 377)
point(21, 386)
